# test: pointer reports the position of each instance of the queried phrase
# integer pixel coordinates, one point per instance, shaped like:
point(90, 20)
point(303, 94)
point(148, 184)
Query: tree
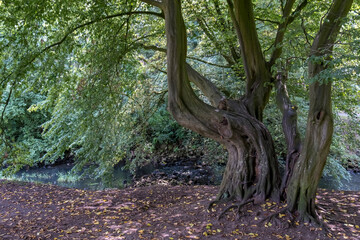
point(252, 172)
point(308, 169)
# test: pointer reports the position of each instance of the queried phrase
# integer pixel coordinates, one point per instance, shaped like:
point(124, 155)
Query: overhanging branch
point(36, 55)
point(99, 20)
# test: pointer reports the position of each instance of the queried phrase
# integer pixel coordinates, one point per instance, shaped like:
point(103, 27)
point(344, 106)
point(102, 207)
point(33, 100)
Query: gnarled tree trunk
point(308, 169)
point(252, 171)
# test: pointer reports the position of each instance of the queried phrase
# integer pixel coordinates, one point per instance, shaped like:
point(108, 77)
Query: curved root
point(216, 201)
point(315, 221)
point(274, 215)
point(226, 210)
point(239, 206)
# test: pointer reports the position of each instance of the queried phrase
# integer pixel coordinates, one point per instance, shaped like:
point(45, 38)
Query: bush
point(21, 131)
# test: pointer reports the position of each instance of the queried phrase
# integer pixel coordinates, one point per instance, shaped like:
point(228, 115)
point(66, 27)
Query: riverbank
point(179, 171)
point(44, 211)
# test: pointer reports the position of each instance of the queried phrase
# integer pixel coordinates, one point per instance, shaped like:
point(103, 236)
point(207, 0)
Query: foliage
point(23, 144)
point(84, 78)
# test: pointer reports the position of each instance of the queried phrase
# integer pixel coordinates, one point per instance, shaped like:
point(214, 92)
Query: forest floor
point(42, 211)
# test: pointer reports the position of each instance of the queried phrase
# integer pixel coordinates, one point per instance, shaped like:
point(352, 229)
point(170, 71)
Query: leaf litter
point(42, 211)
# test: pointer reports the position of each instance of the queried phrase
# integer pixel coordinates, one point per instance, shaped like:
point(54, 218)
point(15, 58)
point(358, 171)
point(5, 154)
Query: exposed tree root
point(226, 210)
point(315, 221)
point(307, 218)
point(273, 217)
point(320, 208)
point(217, 201)
point(238, 206)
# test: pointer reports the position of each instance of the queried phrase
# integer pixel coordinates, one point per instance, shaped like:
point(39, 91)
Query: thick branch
point(290, 129)
point(184, 105)
point(257, 73)
point(287, 19)
point(244, 23)
point(206, 86)
point(326, 37)
point(281, 32)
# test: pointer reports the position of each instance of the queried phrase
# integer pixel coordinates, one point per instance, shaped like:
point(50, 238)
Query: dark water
point(352, 185)
point(61, 175)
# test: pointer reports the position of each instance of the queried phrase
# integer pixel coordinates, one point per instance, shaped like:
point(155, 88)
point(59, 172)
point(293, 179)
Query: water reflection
point(61, 175)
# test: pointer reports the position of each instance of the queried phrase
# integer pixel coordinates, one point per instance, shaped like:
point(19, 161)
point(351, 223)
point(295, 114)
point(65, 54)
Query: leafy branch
point(69, 32)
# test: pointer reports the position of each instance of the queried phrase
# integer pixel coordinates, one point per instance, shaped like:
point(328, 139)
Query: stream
point(61, 175)
point(352, 185)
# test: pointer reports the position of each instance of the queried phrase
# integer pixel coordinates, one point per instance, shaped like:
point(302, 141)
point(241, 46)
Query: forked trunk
point(252, 171)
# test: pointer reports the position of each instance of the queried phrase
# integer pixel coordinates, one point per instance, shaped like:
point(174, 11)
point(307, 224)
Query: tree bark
point(303, 183)
point(290, 130)
point(252, 171)
point(258, 76)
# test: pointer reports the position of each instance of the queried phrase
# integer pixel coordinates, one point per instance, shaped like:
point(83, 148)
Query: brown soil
point(38, 211)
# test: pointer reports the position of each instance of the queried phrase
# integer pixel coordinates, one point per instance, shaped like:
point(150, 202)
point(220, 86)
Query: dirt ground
point(39, 211)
